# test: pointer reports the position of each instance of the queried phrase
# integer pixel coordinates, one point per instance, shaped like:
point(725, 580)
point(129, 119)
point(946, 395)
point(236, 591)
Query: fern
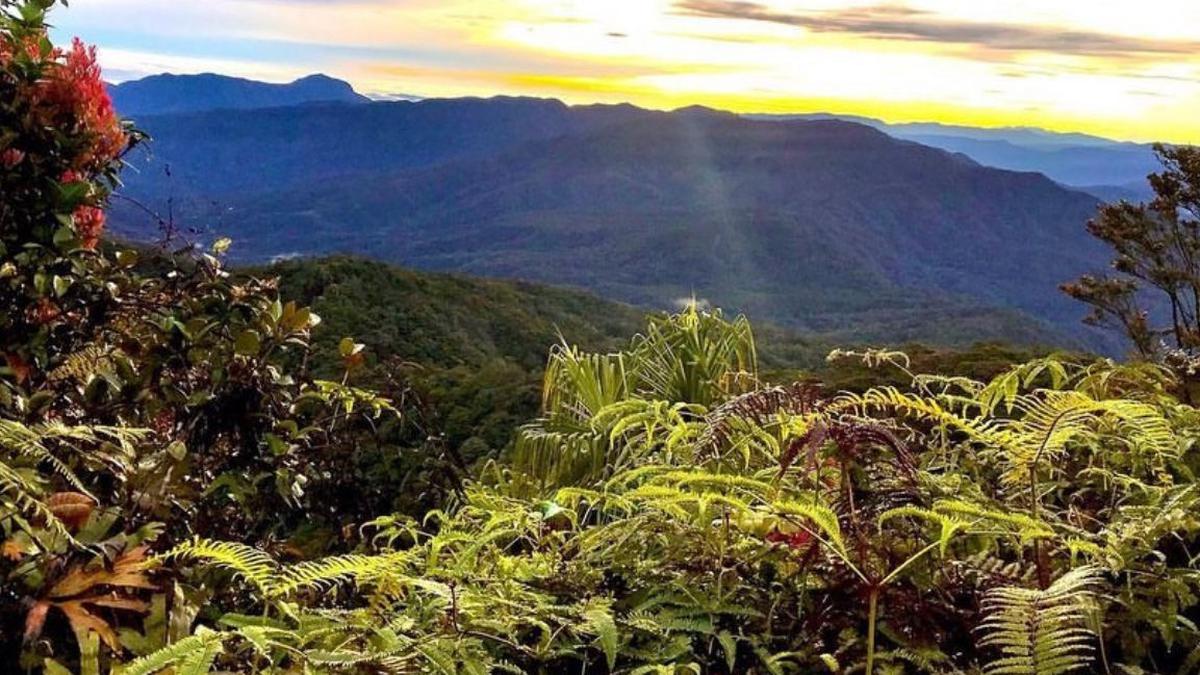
point(195, 649)
point(1047, 421)
point(1023, 526)
point(323, 574)
point(822, 517)
point(200, 661)
point(29, 466)
point(272, 580)
point(598, 620)
point(949, 526)
point(1041, 632)
point(245, 562)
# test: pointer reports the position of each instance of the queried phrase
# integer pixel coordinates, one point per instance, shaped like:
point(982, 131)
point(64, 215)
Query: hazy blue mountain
point(827, 226)
point(1094, 167)
point(1134, 192)
point(207, 152)
point(161, 94)
point(1103, 167)
point(1028, 137)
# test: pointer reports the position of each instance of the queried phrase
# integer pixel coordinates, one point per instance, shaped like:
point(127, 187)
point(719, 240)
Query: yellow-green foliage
point(1042, 632)
point(770, 531)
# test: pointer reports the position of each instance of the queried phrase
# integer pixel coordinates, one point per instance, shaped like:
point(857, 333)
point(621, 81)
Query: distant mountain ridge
point(1102, 167)
point(167, 93)
point(1106, 168)
point(824, 226)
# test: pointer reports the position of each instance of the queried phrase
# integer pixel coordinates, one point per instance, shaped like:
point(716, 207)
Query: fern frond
point(1041, 632)
point(598, 620)
point(197, 649)
point(949, 525)
point(322, 574)
point(892, 400)
point(823, 517)
point(1006, 388)
point(20, 495)
point(245, 562)
point(84, 364)
point(1019, 524)
point(29, 443)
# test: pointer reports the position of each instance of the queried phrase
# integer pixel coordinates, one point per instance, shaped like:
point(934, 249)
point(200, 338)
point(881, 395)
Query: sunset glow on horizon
point(1121, 70)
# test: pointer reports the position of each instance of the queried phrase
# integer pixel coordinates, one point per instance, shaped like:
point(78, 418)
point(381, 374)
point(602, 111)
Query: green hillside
point(448, 320)
point(474, 349)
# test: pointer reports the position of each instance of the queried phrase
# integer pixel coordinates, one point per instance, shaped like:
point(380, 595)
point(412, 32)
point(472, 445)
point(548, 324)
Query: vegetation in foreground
point(163, 441)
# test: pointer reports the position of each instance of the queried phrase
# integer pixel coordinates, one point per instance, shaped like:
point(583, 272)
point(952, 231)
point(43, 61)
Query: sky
point(1116, 68)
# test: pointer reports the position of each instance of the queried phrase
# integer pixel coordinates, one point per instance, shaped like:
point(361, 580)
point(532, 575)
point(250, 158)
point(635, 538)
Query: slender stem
point(1042, 573)
point(1103, 651)
point(872, 615)
point(1034, 502)
point(903, 566)
point(829, 545)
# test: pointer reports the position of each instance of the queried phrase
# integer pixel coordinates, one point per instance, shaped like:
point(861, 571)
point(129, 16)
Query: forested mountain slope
point(819, 225)
point(474, 350)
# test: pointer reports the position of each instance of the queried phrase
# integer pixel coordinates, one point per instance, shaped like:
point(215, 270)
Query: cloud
point(124, 64)
point(888, 22)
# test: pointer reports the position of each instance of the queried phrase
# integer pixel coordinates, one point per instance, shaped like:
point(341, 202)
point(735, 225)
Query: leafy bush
point(137, 406)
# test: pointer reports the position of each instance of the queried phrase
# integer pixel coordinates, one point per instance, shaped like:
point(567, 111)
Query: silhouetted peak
point(172, 93)
point(702, 111)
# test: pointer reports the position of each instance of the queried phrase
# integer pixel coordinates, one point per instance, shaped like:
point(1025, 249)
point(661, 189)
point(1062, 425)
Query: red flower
point(89, 223)
point(11, 157)
point(74, 97)
point(45, 311)
point(94, 107)
point(799, 539)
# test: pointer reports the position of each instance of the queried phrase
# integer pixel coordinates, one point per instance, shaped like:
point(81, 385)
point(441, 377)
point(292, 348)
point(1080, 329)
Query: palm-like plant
point(683, 364)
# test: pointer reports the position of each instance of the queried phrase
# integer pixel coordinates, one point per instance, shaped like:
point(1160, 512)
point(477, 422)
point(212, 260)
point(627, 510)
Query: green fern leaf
point(1041, 632)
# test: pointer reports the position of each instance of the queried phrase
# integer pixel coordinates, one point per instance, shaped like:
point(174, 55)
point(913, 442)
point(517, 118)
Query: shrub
point(141, 401)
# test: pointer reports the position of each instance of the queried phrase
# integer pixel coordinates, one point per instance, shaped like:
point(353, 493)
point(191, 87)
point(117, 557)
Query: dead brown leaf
point(90, 586)
point(72, 508)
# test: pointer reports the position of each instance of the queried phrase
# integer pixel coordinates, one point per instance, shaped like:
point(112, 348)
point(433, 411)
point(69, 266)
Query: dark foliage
point(1154, 297)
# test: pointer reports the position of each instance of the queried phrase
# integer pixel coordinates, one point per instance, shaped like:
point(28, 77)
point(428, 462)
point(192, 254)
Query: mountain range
point(824, 225)
point(166, 93)
point(1111, 170)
